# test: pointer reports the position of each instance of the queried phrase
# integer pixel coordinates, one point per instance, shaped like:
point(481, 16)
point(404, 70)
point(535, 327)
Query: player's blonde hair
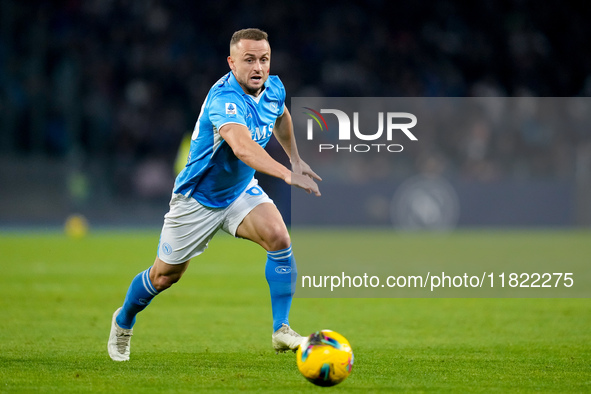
point(248, 34)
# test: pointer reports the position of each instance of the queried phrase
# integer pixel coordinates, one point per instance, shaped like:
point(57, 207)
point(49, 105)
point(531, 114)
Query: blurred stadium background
point(96, 95)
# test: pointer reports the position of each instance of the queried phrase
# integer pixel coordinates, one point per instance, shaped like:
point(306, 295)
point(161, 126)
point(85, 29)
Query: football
point(325, 358)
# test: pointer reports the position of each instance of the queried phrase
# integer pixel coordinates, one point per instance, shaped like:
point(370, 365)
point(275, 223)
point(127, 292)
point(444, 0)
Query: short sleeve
point(227, 108)
point(280, 93)
point(282, 110)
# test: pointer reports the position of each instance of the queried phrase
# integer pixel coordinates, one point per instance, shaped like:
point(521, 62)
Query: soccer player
point(217, 190)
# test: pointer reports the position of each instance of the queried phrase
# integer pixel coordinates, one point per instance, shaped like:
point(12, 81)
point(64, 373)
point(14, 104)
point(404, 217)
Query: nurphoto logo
point(393, 127)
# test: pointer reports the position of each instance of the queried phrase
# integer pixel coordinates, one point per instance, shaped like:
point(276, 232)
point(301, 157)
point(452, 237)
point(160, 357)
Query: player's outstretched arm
point(251, 153)
point(283, 131)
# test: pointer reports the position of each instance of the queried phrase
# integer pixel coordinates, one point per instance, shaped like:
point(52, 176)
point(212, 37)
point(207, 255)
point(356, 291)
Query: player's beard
point(254, 91)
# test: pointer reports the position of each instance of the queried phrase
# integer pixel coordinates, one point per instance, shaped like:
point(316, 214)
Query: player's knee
point(163, 282)
point(279, 239)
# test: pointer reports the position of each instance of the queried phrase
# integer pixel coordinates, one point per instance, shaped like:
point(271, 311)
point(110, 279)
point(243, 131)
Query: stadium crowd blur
point(119, 82)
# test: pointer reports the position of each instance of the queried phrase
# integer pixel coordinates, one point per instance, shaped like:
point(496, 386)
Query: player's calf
point(164, 275)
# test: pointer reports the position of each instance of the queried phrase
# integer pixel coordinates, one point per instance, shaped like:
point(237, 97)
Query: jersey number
point(255, 191)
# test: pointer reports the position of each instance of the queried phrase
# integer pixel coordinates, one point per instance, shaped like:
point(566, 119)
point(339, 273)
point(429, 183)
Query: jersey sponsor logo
point(230, 109)
point(283, 269)
point(262, 133)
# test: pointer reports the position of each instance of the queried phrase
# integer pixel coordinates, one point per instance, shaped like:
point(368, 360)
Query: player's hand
point(304, 182)
point(301, 167)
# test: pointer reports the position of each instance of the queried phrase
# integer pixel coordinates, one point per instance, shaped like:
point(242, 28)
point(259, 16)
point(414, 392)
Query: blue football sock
point(140, 293)
point(281, 274)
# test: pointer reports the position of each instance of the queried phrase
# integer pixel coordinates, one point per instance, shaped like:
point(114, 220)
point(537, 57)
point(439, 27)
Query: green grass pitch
point(211, 331)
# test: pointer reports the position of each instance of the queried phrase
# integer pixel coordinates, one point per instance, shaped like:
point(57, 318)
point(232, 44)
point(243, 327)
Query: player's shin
point(281, 275)
point(140, 294)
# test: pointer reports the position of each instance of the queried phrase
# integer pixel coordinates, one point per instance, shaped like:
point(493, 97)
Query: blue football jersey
point(214, 176)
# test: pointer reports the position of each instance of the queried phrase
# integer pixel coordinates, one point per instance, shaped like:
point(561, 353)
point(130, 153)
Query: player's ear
point(231, 63)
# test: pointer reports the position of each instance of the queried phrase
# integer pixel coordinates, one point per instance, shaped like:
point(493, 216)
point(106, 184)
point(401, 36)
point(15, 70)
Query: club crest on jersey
point(274, 106)
point(230, 109)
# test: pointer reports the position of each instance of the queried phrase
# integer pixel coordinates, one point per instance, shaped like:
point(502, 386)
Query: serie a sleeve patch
point(230, 109)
